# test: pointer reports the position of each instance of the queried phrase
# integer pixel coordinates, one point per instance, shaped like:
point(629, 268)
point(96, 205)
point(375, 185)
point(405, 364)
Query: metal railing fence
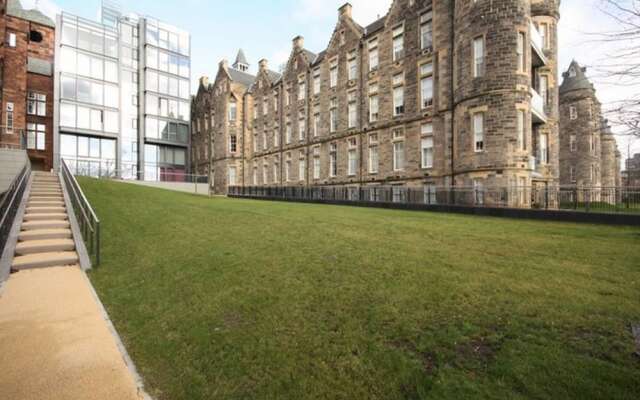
point(591, 199)
point(88, 222)
point(10, 202)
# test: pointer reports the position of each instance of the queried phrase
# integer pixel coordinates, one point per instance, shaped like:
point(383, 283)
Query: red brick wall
point(17, 82)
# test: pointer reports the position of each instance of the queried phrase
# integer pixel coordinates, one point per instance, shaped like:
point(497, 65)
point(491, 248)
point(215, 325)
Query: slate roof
point(577, 82)
point(273, 75)
point(311, 56)
point(14, 8)
point(374, 26)
point(241, 77)
point(319, 58)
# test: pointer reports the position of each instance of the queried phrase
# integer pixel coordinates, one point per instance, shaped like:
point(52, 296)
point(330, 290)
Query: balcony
point(537, 108)
point(538, 59)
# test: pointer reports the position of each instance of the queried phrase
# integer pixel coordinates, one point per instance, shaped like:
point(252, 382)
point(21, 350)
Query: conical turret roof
point(575, 78)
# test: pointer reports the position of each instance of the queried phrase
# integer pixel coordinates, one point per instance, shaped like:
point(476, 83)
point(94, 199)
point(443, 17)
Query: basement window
point(35, 36)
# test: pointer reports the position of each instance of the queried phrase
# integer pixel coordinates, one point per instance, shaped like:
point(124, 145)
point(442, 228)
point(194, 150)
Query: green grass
point(240, 299)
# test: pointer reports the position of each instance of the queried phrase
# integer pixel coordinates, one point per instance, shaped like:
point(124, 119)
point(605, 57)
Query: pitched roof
point(14, 8)
point(319, 58)
point(241, 77)
point(374, 26)
point(241, 58)
point(575, 78)
point(273, 75)
point(311, 56)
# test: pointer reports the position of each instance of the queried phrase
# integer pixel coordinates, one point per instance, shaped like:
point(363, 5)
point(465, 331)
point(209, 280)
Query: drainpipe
point(452, 100)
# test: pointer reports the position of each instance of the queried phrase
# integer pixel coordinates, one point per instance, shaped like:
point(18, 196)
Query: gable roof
point(577, 82)
point(15, 9)
point(241, 77)
point(374, 26)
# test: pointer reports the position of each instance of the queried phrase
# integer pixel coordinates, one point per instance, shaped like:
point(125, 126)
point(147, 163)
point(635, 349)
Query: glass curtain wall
point(167, 101)
point(89, 96)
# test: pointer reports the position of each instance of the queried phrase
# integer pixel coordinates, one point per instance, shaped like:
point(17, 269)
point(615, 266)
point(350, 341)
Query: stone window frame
point(399, 26)
point(398, 136)
point(370, 49)
point(422, 62)
point(472, 113)
point(526, 110)
point(317, 165)
point(375, 83)
point(302, 87)
point(474, 72)
point(573, 143)
point(352, 56)
point(426, 18)
point(424, 138)
point(302, 167)
point(573, 112)
point(352, 149)
point(352, 100)
point(333, 159)
point(334, 65)
point(524, 34)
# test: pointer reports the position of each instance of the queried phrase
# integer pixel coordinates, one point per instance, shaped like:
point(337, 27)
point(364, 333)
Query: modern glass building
point(122, 96)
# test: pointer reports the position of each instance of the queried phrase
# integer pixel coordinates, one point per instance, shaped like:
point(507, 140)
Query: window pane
point(108, 149)
point(68, 145)
point(68, 60)
point(97, 95)
point(68, 115)
point(94, 147)
point(84, 91)
point(68, 88)
point(83, 146)
point(96, 120)
point(110, 71)
point(84, 118)
point(111, 122)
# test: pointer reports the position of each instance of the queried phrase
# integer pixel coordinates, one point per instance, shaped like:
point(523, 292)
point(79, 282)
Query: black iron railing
point(10, 202)
point(88, 222)
point(593, 199)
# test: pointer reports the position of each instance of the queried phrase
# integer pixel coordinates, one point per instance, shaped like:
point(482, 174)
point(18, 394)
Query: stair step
point(46, 217)
point(39, 188)
point(46, 192)
point(33, 225)
point(44, 234)
point(45, 209)
point(43, 260)
point(48, 197)
point(44, 246)
point(38, 204)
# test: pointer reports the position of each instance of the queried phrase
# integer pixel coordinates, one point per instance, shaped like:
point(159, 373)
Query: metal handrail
point(9, 203)
point(86, 216)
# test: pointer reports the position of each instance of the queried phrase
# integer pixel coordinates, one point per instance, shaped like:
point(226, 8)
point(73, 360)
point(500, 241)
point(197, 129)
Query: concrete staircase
point(45, 239)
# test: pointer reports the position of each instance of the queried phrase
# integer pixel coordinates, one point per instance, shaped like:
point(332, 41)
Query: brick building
point(434, 94)
point(589, 154)
point(26, 80)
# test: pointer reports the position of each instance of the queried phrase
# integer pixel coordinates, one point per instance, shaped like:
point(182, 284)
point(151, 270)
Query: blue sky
point(264, 29)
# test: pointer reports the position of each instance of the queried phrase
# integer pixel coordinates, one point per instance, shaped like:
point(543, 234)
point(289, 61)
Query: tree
point(623, 66)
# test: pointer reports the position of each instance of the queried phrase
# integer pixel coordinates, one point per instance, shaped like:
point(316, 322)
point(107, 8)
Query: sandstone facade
point(589, 155)
point(431, 94)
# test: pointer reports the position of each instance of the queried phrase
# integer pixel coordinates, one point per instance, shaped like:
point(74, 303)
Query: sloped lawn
point(238, 299)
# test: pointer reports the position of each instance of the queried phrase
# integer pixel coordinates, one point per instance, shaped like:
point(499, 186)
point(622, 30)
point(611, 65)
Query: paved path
point(55, 343)
point(200, 188)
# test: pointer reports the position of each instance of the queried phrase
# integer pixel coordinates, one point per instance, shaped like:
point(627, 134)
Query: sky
point(265, 28)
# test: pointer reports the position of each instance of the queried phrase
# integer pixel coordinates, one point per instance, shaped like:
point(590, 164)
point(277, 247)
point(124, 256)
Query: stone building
point(26, 82)
point(434, 94)
point(589, 154)
point(632, 173)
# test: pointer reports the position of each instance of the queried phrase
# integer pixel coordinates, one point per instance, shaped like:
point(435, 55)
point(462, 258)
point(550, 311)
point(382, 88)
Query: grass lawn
point(240, 299)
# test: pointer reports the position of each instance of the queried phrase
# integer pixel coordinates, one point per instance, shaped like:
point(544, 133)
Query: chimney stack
point(345, 10)
point(298, 42)
point(263, 64)
point(204, 81)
